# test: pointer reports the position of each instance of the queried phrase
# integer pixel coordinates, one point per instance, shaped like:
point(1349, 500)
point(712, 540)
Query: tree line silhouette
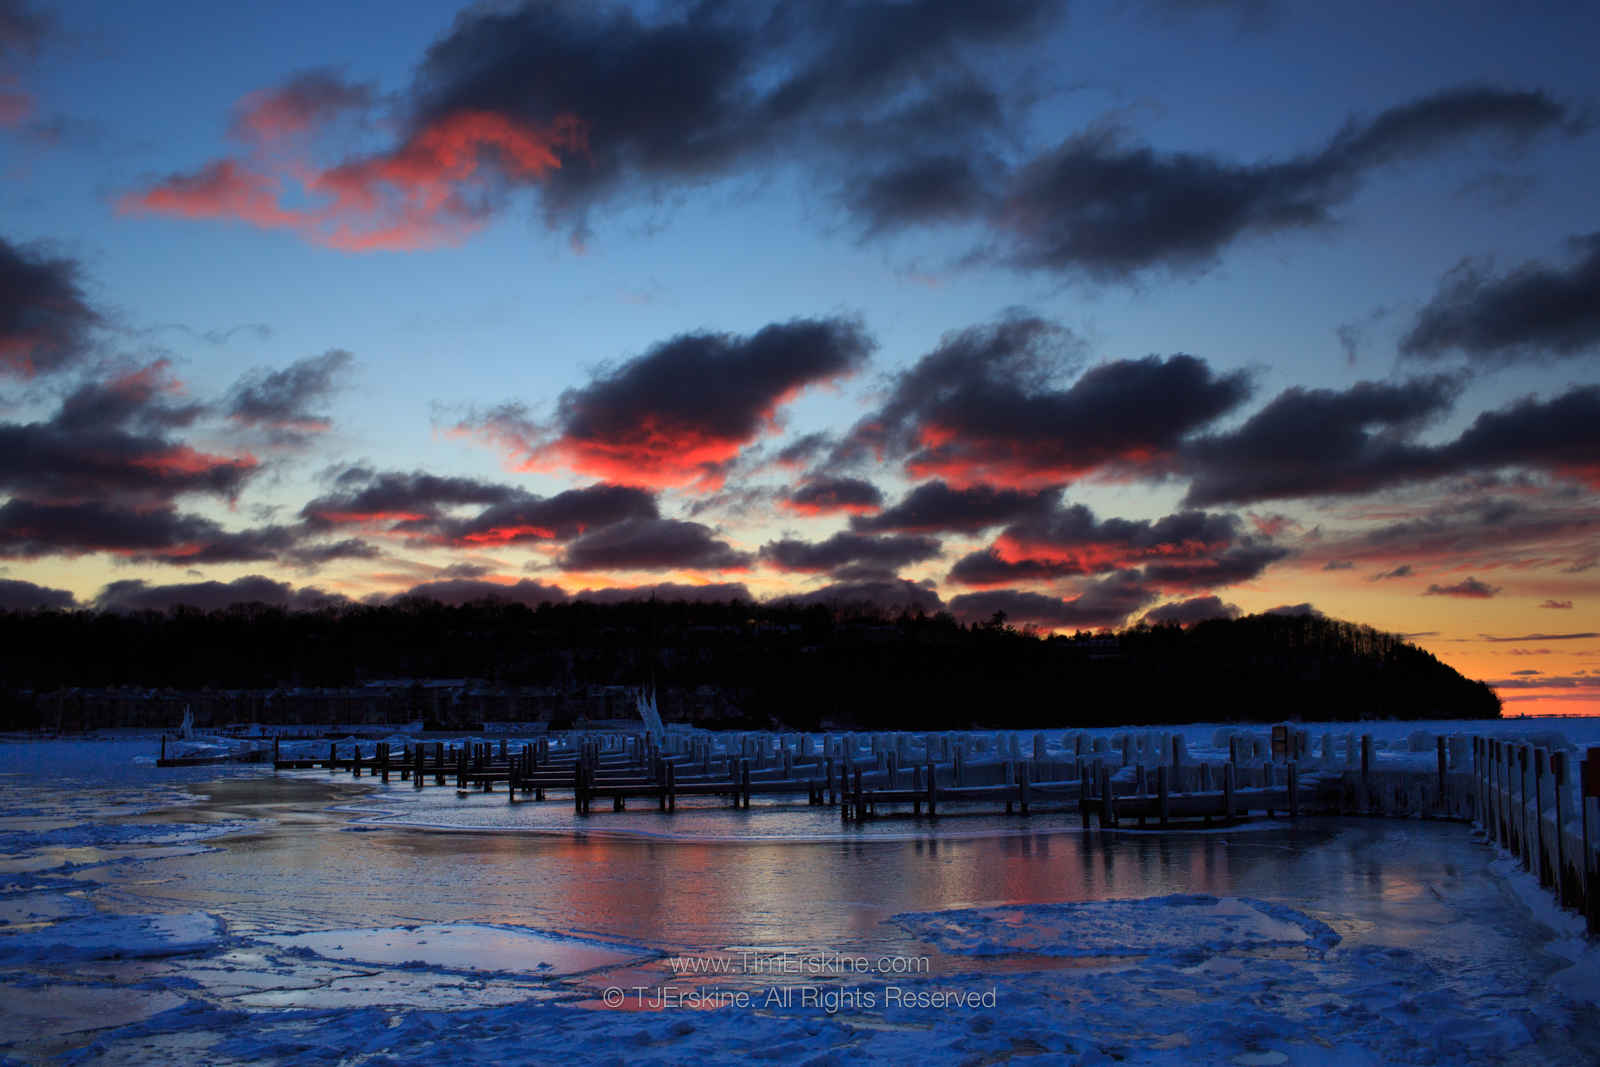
point(852, 666)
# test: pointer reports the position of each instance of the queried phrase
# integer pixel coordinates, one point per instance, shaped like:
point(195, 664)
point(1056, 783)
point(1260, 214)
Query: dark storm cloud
point(456, 591)
point(823, 496)
point(1532, 312)
point(137, 595)
point(1196, 609)
point(32, 529)
point(1402, 571)
point(1099, 206)
point(1561, 435)
point(283, 401)
point(1101, 544)
point(986, 567)
point(1105, 602)
point(682, 411)
point(312, 556)
point(843, 549)
point(916, 192)
point(109, 439)
point(26, 596)
point(652, 545)
point(1183, 550)
point(367, 496)
point(1239, 564)
point(562, 517)
point(1310, 442)
point(45, 320)
point(141, 399)
point(933, 507)
point(717, 88)
point(1470, 588)
point(712, 592)
point(1295, 609)
point(984, 406)
point(22, 29)
point(886, 594)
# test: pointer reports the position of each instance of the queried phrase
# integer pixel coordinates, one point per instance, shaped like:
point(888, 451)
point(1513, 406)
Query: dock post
point(1366, 772)
point(1538, 815)
point(1023, 783)
point(1558, 774)
point(164, 747)
point(1108, 803)
point(860, 804)
point(1477, 778)
point(1227, 791)
point(1083, 793)
point(1444, 800)
point(744, 782)
point(275, 756)
point(933, 790)
point(916, 790)
point(1588, 789)
point(672, 787)
point(1522, 805)
point(1011, 780)
point(1140, 790)
point(1294, 790)
point(1492, 791)
point(1162, 786)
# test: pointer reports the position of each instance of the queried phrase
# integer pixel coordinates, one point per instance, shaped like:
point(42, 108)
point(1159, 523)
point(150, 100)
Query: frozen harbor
point(232, 915)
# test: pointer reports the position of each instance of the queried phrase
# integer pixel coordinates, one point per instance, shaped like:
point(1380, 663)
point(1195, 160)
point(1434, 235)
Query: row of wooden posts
point(1516, 792)
point(861, 785)
point(1513, 780)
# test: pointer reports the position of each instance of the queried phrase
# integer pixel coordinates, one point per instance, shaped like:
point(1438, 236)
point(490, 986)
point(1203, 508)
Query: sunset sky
point(1088, 313)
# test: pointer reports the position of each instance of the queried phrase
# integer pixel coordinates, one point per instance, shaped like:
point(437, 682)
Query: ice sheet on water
point(478, 947)
point(102, 937)
point(101, 835)
point(1184, 926)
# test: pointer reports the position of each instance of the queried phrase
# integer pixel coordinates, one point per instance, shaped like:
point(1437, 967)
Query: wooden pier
point(1526, 799)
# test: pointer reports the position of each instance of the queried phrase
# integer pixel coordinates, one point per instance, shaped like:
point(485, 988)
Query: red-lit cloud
point(682, 412)
point(436, 187)
point(307, 100)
